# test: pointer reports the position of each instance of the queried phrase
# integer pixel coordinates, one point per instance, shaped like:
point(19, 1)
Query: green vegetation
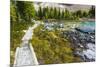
point(26, 10)
point(56, 13)
point(20, 15)
point(50, 48)
point(92, 12)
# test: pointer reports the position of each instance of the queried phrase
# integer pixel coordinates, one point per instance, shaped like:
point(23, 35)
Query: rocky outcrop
point(83, 43)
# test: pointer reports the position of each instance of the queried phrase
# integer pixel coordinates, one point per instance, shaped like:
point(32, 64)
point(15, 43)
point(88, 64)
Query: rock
point(89, 54)
point(85, 43)
point(88, 30)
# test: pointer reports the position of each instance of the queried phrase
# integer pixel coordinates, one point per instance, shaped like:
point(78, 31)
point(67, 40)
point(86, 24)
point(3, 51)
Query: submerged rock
point(88, 30)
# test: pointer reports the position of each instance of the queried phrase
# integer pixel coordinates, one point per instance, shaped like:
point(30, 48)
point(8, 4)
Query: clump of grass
point(50, 48)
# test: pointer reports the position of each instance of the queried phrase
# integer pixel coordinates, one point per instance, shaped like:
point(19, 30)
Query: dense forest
point(54, 13)
point(25, 11)
point(49, 46)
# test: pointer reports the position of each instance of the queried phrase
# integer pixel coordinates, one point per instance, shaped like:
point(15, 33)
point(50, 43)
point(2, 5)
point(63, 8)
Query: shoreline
point(63, 20)
point(87, 19)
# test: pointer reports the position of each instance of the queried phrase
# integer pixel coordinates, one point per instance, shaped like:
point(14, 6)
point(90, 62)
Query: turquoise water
point(87, 26)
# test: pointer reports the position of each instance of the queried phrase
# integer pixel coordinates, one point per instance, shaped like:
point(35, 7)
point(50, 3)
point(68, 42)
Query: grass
point(50, 48)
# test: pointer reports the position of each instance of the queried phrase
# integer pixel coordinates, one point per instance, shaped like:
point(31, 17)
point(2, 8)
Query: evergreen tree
point(40, 13)
point(46, 13)
point(13, 13)
point(62, 14)
point(25, 9)
point(55, 13)
point(51, 13)
point(59, 14)
point(85, 14)
point(92, 12)
point(66, 14)
point(79, 13)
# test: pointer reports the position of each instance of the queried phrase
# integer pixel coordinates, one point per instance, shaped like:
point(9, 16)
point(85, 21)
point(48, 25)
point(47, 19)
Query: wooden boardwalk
point(25, 55)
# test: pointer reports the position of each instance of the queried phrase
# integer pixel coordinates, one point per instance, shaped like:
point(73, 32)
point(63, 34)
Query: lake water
point(87, 26)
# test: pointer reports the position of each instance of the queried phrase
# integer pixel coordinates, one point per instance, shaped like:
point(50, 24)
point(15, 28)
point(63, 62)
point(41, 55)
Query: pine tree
point(92, 12)
point(79, 13)
point(59, 14)
point(62, 14)
point(66, 14)
point(47, 12)
point(40, 13)
point(55, 13)
point(85, 14)
point(26, 10)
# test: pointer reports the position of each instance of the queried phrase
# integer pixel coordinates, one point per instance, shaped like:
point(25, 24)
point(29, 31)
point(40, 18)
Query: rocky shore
point(83, 43)
point(87, 19)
